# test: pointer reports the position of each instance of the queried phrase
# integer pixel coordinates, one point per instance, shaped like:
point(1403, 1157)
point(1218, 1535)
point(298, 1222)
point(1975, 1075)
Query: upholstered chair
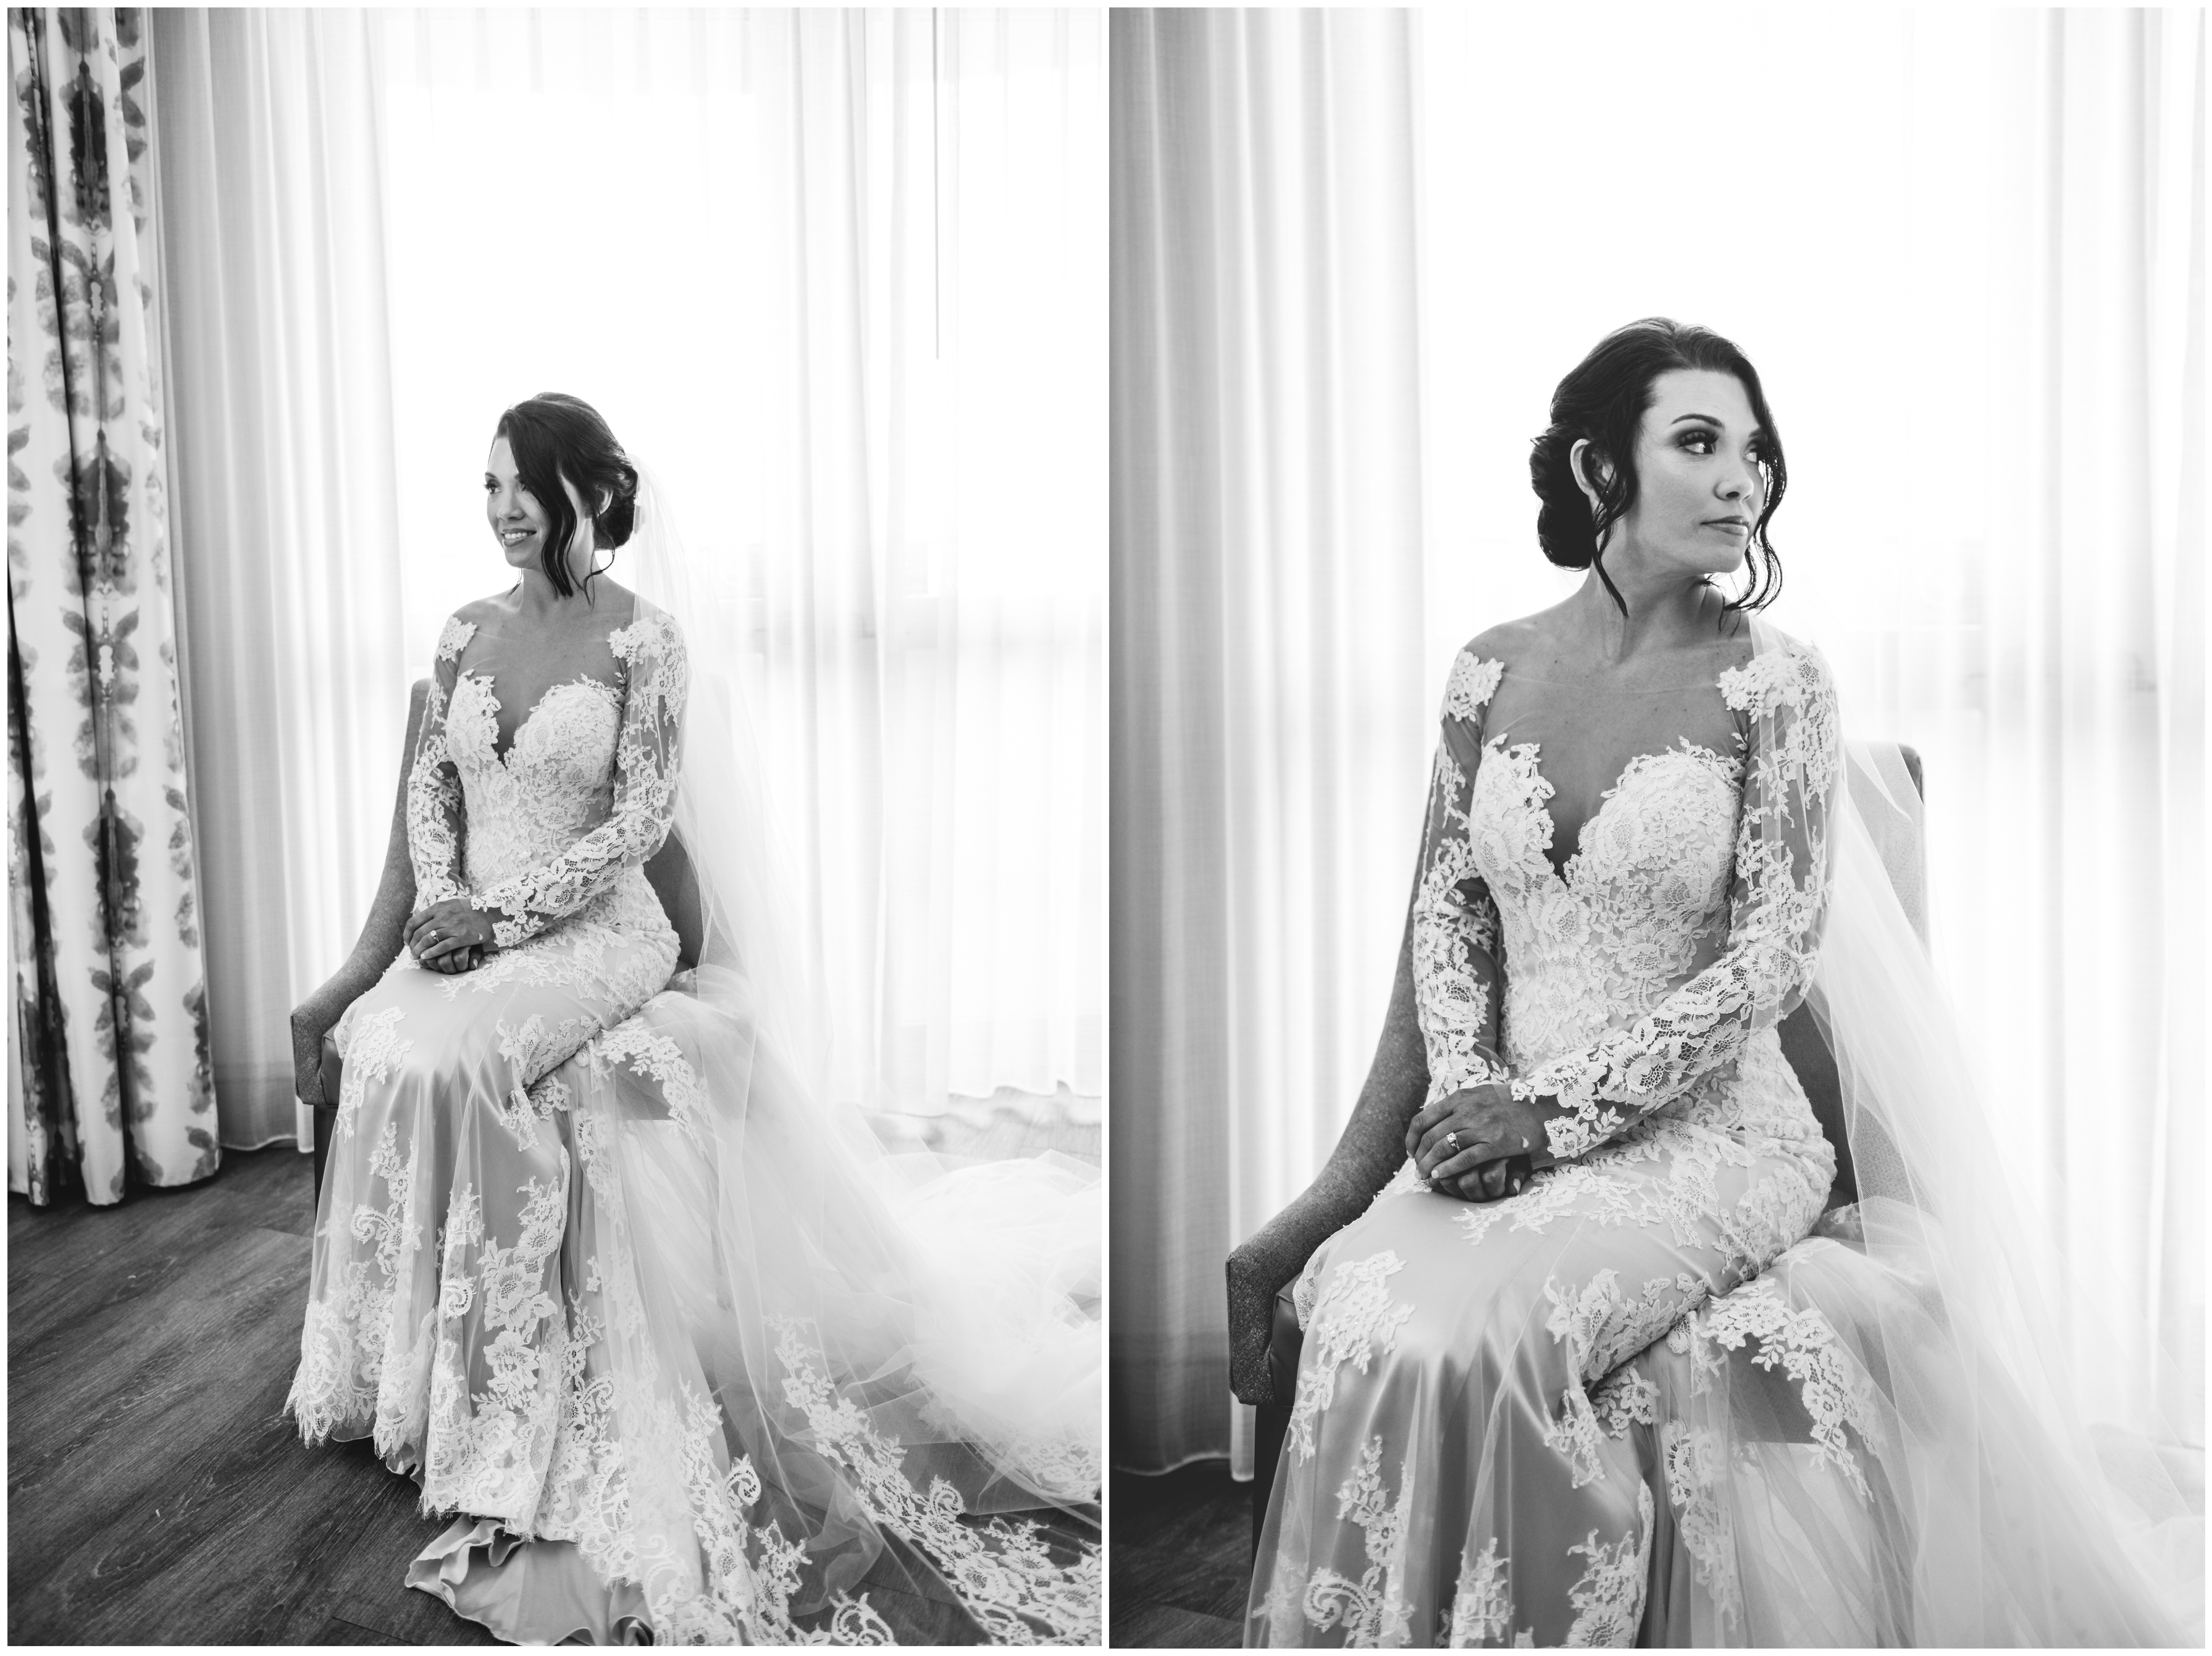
point(317, 1070)
point(1275, 1320)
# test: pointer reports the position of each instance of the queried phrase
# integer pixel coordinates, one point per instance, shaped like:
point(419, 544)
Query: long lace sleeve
point(434, 818)
point(1440, 1033)
point(1778, 898)
point(656, 679)
point(1458, 948)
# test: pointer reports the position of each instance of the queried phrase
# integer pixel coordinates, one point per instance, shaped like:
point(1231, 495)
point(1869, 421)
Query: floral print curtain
point(110, 1047)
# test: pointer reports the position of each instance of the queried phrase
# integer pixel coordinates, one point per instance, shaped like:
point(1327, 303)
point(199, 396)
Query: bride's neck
point(1665, 612)
point(539, 602)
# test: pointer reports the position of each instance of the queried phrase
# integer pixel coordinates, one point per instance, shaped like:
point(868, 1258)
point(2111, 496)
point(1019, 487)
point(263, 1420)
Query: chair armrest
point(1372, 1149)
point(1260, 1267)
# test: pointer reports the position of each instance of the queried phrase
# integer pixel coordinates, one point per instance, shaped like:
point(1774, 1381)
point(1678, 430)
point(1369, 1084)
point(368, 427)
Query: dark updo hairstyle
point(1605, 399)
point(555, 435)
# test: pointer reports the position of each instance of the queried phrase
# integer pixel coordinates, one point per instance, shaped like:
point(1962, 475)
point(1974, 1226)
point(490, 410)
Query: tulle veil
point(1984, 1487)
point(810, 1372)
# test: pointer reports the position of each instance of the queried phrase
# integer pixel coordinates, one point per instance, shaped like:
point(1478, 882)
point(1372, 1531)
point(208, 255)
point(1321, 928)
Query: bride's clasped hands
point(450, 936)
point(1480, 1143)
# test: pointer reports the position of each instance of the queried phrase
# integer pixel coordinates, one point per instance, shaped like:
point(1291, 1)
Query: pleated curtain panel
point(1270, 699)
point(110, 1080)
point(1353, 252)
point(287, 517)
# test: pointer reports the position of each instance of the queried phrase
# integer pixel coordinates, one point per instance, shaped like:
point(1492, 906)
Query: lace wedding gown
point(689, 1355)
point(1656, 1398)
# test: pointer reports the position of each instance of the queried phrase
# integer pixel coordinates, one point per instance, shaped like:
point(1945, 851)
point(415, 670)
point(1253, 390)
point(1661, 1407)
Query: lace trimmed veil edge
point(1992, 1363)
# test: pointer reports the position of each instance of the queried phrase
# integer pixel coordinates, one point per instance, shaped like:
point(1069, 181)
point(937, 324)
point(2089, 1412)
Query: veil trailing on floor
point(807, 1377)
point(1912, 1458)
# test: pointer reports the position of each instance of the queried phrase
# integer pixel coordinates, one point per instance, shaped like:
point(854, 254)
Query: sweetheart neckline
point(1529, 754)
point(484, 681)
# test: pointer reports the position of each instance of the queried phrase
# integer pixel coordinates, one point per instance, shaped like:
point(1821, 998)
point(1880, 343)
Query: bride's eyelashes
point(1705, 442)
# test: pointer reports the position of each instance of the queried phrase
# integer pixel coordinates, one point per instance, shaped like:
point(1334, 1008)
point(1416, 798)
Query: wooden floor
point(155, 1495)
point(1182, 1558)
point(155, 1492)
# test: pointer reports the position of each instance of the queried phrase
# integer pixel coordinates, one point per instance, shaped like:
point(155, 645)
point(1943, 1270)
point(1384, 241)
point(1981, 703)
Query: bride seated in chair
point(685, 1352)
point(1586, 1358)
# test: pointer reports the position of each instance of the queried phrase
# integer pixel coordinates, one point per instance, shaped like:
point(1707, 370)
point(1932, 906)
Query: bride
point(1595, 1367)
point(689, 1355)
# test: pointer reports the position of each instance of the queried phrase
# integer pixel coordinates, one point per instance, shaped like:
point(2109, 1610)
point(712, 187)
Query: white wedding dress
point(688, 1353)
point(1658, 1397)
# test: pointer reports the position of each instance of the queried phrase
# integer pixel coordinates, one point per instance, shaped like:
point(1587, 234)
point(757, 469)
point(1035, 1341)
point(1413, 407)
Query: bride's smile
point(519, 522)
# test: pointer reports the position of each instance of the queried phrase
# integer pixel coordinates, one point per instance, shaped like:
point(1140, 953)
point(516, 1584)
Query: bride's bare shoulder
point(1510, 641)
point(611, 596)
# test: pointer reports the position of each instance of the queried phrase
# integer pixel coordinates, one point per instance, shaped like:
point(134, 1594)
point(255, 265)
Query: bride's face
point(519, 522)
point(1700, 488)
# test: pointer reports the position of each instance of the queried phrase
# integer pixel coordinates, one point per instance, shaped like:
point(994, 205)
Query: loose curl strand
point(1603, 402)
point(555, 435)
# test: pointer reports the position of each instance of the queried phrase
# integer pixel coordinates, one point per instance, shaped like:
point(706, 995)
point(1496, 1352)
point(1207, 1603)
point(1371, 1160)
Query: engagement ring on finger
point(1452, 1139)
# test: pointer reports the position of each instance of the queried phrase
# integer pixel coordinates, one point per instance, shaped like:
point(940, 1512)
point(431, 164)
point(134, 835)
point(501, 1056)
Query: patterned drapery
point(111, 1056)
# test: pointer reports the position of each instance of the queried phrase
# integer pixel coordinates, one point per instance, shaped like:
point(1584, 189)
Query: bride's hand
point(449, 936)
point(1507, 1176)
point(1482, 1123)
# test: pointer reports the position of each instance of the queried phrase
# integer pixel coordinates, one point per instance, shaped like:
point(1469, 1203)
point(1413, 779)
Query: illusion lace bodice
point(1642, 906)
point(1687, 920)
point(567, 817)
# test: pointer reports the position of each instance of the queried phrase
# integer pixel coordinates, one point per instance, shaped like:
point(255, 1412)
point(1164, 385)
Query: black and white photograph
point(556, 826)
point(1136, 827)
point(1657, 831)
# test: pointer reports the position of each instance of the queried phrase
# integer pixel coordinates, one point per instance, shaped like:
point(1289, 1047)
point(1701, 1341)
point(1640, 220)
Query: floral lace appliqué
point(1371, 1610)
point(1005, 1576)
point(1353, 1320)
point(1608, 1599)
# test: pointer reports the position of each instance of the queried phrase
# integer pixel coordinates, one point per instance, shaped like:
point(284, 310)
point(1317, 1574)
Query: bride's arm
point(1371, 1148)
point(1447, 981)
point(435, 819)
point(646, 763)
point(1458, 948)
point(1778, 903)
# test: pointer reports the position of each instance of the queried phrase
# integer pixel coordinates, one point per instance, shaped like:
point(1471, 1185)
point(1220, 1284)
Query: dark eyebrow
point(1715, 420)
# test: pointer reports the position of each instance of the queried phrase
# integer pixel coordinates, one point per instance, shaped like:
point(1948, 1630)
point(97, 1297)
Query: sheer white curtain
point(839, 278)
point(266, 130)
point(1270, 737)
point(1966, 251)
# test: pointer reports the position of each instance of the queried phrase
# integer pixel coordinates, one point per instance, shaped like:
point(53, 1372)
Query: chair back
point(1808, 1053)
point(676, 882)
